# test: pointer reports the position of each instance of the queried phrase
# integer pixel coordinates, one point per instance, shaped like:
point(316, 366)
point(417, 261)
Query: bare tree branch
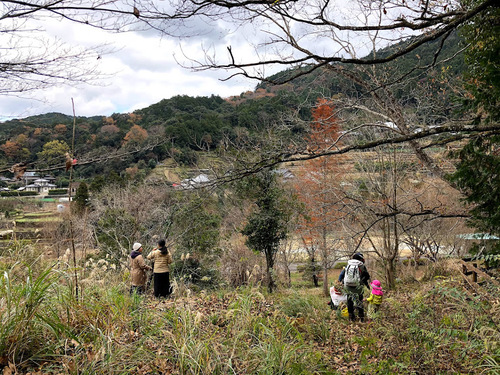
point(283, 157)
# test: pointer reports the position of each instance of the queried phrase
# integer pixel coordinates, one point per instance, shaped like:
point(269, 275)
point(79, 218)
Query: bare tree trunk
point(394, 253)
point(271, 286)
point(287, 271)
point(326, 289)
point(390, 274)
point(72, 239)
point(286, 260)
point(313, 269)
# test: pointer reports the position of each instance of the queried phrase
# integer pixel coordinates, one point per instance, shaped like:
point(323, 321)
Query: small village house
point(40, 186)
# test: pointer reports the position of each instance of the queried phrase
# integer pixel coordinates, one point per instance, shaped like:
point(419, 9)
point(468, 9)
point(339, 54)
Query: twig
point(69, 199)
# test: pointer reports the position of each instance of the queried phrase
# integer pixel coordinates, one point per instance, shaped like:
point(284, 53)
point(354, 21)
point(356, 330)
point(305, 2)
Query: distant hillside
point(193, 124)
point(326, 83)
point(177, 127)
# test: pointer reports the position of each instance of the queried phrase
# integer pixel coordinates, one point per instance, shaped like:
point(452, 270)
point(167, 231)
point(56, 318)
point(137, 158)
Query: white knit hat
point(136, 246)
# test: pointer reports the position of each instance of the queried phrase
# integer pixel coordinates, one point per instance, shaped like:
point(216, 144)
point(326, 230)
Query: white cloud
point(143, 67)
point(141, 71)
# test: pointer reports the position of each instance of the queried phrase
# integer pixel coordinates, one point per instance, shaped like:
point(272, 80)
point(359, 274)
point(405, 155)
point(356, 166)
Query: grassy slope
point(439, 326)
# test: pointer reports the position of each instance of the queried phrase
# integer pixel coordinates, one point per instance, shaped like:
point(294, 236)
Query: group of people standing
point(161, 258)
point(354, 276)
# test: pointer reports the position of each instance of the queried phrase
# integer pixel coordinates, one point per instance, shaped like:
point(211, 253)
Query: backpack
point(352, 275)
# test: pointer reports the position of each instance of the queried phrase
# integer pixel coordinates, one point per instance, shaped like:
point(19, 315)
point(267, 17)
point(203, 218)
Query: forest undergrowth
point(440, 325)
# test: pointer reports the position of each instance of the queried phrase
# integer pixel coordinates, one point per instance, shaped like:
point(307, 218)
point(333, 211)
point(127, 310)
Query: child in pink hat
point(375, 298)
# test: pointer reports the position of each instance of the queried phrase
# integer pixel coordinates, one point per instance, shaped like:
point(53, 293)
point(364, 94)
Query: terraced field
point(28, 226)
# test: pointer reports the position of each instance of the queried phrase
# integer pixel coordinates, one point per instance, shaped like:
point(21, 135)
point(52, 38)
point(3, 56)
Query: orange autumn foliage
point(10, 149)
point(135, 134)
point(60, 128)
point(318, 178)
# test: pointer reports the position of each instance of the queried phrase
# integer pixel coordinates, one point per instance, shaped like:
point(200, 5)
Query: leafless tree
point(314, 34)
point(375, 197)
point(32, 60)
point(344, 39)
point(391, 197)
point(317, 186)
point(287, 255)
point(431, 236)
point(122, 216)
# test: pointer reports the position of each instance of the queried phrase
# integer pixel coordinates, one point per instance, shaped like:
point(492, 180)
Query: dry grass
point(438, 326)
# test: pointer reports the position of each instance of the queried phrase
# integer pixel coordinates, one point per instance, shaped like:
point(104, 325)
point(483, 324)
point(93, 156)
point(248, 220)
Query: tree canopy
point(267, 224)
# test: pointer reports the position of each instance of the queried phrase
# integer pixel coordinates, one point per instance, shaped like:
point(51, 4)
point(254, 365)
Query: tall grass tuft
point(276, 349)
point(491, 365)
point(27, 314)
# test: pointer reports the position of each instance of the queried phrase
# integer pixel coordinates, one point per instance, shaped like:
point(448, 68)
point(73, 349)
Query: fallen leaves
point(10, 369)
point(241, 330)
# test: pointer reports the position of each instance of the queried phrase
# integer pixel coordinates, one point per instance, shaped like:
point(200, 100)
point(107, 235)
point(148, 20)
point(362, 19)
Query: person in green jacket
point(375, 299)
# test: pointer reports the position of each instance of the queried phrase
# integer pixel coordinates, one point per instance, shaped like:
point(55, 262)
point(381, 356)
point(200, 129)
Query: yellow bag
point(345, 313)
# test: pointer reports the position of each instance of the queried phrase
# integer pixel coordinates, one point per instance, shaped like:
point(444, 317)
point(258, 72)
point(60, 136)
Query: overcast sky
point(142, 70)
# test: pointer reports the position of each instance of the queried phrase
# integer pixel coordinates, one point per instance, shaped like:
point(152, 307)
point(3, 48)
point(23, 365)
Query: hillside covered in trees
point(181, 126)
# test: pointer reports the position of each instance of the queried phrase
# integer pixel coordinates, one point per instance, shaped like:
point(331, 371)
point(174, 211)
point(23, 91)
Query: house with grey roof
point(40, 186)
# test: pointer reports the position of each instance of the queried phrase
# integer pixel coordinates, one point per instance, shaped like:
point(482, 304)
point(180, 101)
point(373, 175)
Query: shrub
point(17, 193)
point(339, 265)
point(8, 204)
point(296, 306)
point(434, 270)
point(411, 262)
point(308, 271)
point(58, 192)
point(189, 270)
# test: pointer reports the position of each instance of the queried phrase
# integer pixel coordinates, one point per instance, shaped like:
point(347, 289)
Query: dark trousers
point(355, 302)
point(139, 289)
point(161, 284)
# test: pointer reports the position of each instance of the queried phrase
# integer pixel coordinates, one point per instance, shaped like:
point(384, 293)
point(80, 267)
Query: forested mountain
point(182, 125)
point(320, 80)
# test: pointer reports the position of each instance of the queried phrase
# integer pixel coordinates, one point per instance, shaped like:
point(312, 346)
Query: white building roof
point(201, 179)
point(39, 185)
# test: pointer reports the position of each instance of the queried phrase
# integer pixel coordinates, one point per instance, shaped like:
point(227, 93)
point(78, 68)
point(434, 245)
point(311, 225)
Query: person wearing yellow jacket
point(375, 298)
point(161, 272)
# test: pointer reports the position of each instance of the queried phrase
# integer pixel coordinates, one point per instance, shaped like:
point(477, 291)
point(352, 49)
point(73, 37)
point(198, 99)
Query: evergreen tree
point(482, 59)
point(267, 225)
point(478, 176)
point(478, 171)
point(81, 198)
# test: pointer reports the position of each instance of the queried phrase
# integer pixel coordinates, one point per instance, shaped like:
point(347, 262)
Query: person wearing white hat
point(138, 269)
